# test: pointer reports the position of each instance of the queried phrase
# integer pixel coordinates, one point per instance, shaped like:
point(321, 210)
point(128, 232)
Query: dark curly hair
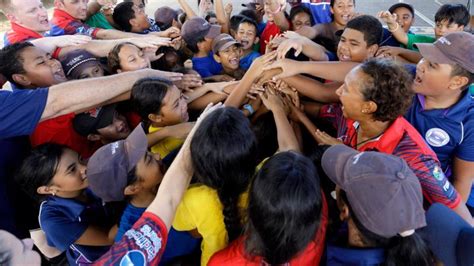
point(389, 86)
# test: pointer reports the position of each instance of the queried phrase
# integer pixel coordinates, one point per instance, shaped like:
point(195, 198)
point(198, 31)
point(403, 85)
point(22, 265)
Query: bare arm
point(109, 34)
point(176, 180)
point(463, 172)
point(82, 95)
point(221, 16)
point(177, 131)
point(321, 92)
point(302, 45)
point(92, 8)
point(393, 26)
point(280, 18)
point(187, 9)
point(96, 236)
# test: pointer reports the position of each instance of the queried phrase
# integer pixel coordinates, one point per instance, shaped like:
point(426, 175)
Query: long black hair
point(223, 152)
point(39, 168)
point(409, 250)
point(284, 211)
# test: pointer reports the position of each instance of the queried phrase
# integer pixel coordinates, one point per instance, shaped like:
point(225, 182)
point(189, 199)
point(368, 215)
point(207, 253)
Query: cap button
point(400, 175)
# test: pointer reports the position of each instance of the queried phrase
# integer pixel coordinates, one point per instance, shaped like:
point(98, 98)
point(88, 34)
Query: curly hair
point(389, 86)
point(113, 58)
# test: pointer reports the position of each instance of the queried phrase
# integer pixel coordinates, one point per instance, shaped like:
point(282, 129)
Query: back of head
point(148, 94)
point(122, 15)
point(453, 13)
point(39, 168)
point(389, 86)
point(6, 6)
point(284, 209)
point(223, 152)
point(250, 13)
point(12, 63)
point(370, 26)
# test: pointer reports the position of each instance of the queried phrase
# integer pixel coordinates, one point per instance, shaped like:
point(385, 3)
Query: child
point(126, 57)
point(198, 35)
point(227, 52)
point(161, 104)
point(81, 64)
point(449, 18)
point(382, 202)
point(166, 17)
point(300, 16)
point(246, 35)
point(223, 152)
point(74, 220)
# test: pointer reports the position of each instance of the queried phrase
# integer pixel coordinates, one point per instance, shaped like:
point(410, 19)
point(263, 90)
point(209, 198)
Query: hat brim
point(229, 44)
point(136, 146)
point(430, 52)
point(213, 32)
point(442, 232)
point(106, 116)
point(334, 160)
point(74, 73)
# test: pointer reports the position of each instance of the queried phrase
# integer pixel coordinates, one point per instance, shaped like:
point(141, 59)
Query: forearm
point(281, 21)
point(315, 51)
point(463, 186)
point(221, 16)
point(286, 136)
point(237, 96)
point(309, 126)
point(157, 136)
point(335, 71)
point(196, 93)
point(325, 93)
point(410, 55)
point(398, 33)
point(46, 44)
point(187, 9)
point(82, 95)
point(92, 8)
point(210, 97)
point(115, 34)
point(462, 211)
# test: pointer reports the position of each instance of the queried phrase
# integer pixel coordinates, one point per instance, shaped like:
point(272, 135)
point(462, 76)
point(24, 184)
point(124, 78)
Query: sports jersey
point(320, 10)
point(449, 131)
point(403, 140)
point(19, 33)
point(64, 24)
point(143, 244)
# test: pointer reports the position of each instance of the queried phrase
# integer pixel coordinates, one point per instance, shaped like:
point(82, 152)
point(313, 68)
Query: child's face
point(246, 35)
point(432, 79)
point(92, 72)
point(301, 19)
point(353, 47)
point(230, 57)
point(343, 10)
point(213, 21)
point(118, 130)
point(174, 109)
point(140, 23)
point(404, 18)
point(149, 171)
point(70, 175)
point(41, 70)
point(75, 8)
point(443, 28)
point(132, 58)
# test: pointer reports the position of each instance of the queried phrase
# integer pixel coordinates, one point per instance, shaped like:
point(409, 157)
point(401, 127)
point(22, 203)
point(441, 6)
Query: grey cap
point(383, 192)
point(222, 42)
point(197, 28)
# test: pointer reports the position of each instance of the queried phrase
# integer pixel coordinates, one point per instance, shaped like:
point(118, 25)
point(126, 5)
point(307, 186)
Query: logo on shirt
point(146, 239)
point(437, 137)
point(438, 173)
point(133, 258)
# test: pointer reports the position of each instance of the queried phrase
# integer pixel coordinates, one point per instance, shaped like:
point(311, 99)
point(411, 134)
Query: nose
point(339, 91)
point(420, 67)
point(82, 169)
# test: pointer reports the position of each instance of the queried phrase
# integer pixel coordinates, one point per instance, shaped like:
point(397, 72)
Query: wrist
point(249, 108)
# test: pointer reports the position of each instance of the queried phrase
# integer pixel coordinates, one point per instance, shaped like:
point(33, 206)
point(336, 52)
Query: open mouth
point(343, 57)
point(244, 43)
point(59, 75)
point(418, 80)
point(234, 61)
point(345, 17)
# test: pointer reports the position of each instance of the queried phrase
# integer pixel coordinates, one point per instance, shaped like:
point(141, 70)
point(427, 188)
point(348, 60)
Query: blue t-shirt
point(206, 66)
point(21, 111)
point(65, 220)
point(449, 132)
point(389, 40)
point(321, 11)
point(339, 256)
point(247, 60)
point(178, 243)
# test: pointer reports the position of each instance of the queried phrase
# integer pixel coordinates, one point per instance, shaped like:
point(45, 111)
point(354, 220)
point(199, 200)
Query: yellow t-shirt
point(201, 209)
point(166, 145)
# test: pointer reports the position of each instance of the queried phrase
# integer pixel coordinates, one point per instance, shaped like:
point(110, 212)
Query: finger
point(250, 96)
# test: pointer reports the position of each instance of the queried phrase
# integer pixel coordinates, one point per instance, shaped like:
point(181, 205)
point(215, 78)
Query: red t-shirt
point(234, 254)
point(60, 130)
point(271, 29)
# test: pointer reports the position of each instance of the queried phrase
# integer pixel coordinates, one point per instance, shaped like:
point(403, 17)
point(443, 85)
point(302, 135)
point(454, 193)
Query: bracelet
point(249, 108)
point(396, 28)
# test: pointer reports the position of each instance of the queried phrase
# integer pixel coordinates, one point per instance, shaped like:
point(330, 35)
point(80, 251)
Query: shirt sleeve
point(465, 150)
point(201, 69)
point(143, 244)
point(413, 39)
point(21, 110)
point(61, 231)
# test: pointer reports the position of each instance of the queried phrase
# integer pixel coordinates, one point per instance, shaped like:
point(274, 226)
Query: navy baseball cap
point(89, 122)
point(449, 237)
point(108, 168)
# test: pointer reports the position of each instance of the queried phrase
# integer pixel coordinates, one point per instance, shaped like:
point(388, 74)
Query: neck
point(248, 51)
point(72, 194)
point(441, 102)
point(143, 199)
point(202, 53)
point(337, 25)
point(371, 129)
point(355, 238)
point(229, 71)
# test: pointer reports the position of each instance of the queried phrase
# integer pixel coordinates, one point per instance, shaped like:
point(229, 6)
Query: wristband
point(249, 108)
point(396, 28)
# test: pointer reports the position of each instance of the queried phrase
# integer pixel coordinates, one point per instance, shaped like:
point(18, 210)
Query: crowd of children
point(290, 133)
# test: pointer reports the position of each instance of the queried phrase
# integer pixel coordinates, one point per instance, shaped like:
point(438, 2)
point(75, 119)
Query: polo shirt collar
point(20, 30)
point(63, 14)
point(72, 208)
point(456, 113)
point(390, 139)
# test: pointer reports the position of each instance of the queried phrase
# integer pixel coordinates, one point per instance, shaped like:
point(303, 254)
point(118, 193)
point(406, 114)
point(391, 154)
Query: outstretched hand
point(288, 67)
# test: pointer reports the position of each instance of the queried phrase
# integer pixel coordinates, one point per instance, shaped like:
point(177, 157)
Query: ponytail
point(409, 250)
point(231, 214)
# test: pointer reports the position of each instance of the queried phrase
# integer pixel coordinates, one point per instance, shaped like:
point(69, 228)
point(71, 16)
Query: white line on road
point(423, 17)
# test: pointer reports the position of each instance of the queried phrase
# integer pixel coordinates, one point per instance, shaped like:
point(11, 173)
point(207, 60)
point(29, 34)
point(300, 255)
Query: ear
point(457, 82)
point(21, 79)
point(369, 107)
point(93, 137)
point(132, 22)
point(45, 190)
point(132, 190)
point(331, 9)
point(344, 213)
point(372, 49)
point(156, 118)
point(217, 58)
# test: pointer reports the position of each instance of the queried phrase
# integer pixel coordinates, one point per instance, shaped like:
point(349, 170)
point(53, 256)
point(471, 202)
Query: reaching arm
point(302, 45)
point(96, 236)
point(280, 18)
point(393, 26)
point(321, 92)
point(221, 16)
point(92, 8)
point(109, 34)
point(187, 9)
point(177, 178)
point(177, 131)
point(82, 95)
point(463, 172)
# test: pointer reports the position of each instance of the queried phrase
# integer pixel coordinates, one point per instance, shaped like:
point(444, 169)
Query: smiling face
point(443, 28)
point(350, 95)
point(353, 47)
point(30, 14)
point(246, 35)
point(404, 18)
point(301, 19)
point(76, 8)
point(229, 58)
point(174, 109)
point(41, 70)
point(132, 58)
point(343, 10)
